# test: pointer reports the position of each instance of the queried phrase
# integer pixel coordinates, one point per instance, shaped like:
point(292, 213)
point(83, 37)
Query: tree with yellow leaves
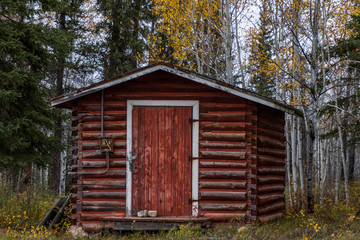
point(261, 67)
point(195, 34)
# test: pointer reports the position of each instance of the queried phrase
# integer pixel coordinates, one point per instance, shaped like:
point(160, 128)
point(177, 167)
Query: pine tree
point(261, 69)
point(24, 113)
point(125, 24)
point(66, 15)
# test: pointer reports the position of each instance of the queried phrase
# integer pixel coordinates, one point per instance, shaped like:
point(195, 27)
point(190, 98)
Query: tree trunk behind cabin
point(300, 157)
point(58, 133)
point(310, 137)
point(288, 158)
point(294, 158)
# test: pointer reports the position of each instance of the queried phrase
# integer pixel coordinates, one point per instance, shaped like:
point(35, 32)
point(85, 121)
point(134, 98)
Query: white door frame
point(195, 147)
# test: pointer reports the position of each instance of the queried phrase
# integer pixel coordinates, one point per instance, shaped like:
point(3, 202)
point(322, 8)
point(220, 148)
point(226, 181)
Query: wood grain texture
point(271, 165)
point(162, 178)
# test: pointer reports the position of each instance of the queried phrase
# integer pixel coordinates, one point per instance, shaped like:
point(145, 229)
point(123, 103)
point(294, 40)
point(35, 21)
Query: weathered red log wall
point(270, 167)
point(233, 180)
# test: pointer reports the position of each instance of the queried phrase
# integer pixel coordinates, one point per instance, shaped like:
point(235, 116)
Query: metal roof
point(61, 101)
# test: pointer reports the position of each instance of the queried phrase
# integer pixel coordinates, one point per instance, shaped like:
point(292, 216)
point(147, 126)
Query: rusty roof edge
point(182, 73)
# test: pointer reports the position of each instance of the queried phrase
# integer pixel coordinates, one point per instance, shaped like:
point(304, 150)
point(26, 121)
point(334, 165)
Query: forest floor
point(20, 213)
point(328, 222)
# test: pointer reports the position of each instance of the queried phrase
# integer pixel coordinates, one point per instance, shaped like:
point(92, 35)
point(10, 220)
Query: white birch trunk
point(46, 177)
point(62, 173)
point(41, 180)
point(227, 40)
point(323, 168)
point(294, 156)
point(337, 173)
point(343, 160)
point(288, 139)
point(196, 50)
point(300, 159)
point(238, 46)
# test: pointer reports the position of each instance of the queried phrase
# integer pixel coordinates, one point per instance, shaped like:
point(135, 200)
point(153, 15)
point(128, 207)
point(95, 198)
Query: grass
point(329, 221)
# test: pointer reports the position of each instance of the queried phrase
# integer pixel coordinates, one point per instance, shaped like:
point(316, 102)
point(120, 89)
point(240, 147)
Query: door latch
point(132, 163)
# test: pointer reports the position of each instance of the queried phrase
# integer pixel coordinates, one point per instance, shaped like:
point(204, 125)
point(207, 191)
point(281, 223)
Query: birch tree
point(199, 35)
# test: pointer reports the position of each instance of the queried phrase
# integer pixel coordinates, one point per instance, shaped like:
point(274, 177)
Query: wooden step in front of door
point(154, 223)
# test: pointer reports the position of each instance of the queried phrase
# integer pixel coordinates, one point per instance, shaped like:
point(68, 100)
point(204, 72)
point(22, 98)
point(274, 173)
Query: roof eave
point(62, 100)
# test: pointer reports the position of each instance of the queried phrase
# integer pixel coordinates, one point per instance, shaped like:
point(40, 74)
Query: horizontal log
point(270, 179)
point(274, 207)
point(107, 106)
point(102, 208)
point(99, 216)
point(266, 123)
point(220, 98)
point(104, 203)
point(205, 106)
point(272, 152)
point(109, 174)
point(222, 185)
point(279, 135)
point(107, 126)
point(270, 161)
point(221, 145)
point(92, 227)
point(265, 111)
point(222, 206)
point(271, 170)
point(86, 117)
point(102, 164)
point(206, 164)
point(98, 154)
point(96, 136)
point(223, 117)
point(270, 217)
point(99, 185)
point(222, 217)
point(222, 155)
point(152, 88)
point(225, 196)
point(271, 188)
point(229, 137)
point(130, 93)
point(75, 119)
point(222, 174)
point(104, 195)
point(224, 127)
point(96, 145)
point(269, 198)
point(270, 142)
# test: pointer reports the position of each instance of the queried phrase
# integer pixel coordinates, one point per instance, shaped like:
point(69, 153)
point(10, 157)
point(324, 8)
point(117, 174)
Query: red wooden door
point(161, 175)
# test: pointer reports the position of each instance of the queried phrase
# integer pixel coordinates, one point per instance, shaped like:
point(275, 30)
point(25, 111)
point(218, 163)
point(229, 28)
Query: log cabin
point(189, 147)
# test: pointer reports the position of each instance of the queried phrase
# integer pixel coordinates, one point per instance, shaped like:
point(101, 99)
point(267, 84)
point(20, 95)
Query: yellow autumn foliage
point(191, 27)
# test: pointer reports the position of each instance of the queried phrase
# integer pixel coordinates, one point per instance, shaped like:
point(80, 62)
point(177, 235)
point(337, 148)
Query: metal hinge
point(191, 201)
point(191, 121)
point(191, 158)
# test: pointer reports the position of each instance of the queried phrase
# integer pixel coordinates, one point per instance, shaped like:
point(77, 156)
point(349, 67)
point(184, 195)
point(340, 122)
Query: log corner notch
point(251, 142)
